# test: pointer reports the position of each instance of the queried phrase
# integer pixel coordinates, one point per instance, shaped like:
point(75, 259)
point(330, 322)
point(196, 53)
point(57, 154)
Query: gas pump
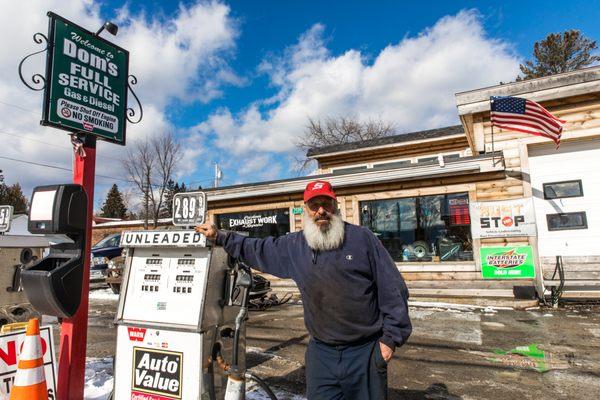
point(180, 318)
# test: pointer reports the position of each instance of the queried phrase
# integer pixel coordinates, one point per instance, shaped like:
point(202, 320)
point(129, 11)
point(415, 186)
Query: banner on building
point(505, 218)
point(507, 262)
point(86, 82)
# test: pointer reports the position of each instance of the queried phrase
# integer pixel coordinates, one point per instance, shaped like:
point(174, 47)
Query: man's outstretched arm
point(268, 255)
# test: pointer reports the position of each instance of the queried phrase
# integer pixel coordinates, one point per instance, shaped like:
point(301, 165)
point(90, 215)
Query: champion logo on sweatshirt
point(349, 257)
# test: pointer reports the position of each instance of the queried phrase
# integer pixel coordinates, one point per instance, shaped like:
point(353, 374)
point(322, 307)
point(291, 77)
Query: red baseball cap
point(318, 188)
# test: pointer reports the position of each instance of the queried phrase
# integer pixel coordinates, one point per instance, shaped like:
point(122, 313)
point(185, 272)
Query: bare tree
point(332, 131)
point(150, 164)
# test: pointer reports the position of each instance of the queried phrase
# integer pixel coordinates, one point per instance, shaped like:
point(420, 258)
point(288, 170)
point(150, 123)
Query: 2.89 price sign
point(189, 208)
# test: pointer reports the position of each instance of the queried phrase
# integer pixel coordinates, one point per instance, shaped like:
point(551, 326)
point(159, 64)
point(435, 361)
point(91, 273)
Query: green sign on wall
point(86, 87)
point(507, 262)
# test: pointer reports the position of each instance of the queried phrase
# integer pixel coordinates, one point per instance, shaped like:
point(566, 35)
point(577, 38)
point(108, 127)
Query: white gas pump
point(177, 318)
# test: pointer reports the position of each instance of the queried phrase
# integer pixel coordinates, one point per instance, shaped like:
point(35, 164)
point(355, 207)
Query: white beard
point(318, 240)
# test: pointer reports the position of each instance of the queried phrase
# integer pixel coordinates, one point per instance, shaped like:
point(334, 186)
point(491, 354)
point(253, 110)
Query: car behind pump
point(102, 253)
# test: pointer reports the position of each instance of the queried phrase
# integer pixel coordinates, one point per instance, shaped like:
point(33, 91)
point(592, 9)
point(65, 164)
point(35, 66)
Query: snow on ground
point(98, 378)
point(103, 294)
point(255, 393)
point(453, 306)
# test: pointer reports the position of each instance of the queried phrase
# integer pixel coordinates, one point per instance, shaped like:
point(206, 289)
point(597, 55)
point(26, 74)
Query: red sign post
point(73, 332)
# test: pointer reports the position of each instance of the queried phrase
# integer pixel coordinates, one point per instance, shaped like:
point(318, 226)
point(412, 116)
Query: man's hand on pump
point(208, 230)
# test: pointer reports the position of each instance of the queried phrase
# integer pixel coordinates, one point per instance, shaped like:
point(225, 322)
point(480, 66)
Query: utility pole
point(218, 175)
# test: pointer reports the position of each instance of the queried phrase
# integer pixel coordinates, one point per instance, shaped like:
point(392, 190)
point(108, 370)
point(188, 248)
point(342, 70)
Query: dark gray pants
point(345, 372)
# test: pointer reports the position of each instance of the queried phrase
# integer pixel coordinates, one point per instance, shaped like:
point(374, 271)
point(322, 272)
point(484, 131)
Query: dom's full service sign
point(507, 262)
point(504, 218)
point(86, 87)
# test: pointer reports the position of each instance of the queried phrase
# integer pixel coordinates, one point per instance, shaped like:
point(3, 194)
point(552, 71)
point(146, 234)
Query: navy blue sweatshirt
point(349, 294)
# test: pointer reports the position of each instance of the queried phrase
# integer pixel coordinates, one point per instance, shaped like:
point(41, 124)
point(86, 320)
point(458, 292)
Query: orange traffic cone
point(30, 381)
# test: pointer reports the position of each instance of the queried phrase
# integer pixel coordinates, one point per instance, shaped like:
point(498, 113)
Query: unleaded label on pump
point(162, 239)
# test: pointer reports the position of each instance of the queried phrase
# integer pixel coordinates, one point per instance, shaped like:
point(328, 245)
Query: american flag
point(522, 115)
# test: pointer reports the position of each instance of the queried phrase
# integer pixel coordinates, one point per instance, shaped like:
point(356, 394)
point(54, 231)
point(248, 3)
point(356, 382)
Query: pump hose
point(556, 294)
point(262, 384)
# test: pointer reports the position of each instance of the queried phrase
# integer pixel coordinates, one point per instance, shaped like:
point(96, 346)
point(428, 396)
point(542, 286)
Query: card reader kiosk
point(53, 284)
point(176, 318)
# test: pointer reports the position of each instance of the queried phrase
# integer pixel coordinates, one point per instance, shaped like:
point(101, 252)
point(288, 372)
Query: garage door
point(566, 190)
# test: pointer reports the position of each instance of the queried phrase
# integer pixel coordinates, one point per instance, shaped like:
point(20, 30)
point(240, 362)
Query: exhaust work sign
point(507, 262)
point(86, 87)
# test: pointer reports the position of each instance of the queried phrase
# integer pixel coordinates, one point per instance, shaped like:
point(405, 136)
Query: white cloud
point(179, 58)
point(410, 83)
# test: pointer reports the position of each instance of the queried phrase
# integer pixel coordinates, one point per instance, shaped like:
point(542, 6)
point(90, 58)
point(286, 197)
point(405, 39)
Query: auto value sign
point(505, 218)
point(507, 262)
point(10, 348)
point(86, 82)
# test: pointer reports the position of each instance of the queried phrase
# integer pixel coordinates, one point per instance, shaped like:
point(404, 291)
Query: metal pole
point(73, 331)
point(493, 150)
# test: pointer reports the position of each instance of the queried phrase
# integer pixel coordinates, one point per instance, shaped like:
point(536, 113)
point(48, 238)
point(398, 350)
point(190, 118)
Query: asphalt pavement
point(454, 353)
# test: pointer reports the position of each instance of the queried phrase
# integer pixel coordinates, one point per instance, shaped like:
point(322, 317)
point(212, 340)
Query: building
point(417, 191)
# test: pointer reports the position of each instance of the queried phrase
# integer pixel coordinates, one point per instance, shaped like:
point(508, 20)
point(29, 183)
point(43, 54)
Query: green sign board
point(86, 82)
point(297, 210)
point(507, 262)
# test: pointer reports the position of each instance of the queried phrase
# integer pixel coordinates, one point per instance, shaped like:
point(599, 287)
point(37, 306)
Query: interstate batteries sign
point(507, 262)
point(86, 82)
point(506, 218)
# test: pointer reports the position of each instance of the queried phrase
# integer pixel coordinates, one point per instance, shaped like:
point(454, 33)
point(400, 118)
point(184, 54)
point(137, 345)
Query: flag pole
point(493, 150)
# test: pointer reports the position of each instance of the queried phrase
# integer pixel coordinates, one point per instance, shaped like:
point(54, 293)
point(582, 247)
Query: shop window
point(451, 157)
point(566, 221)
point(393, 164)
point(427, 160)
point(349, 170)
point(422, 229)
point(559, 190)
point(258, 224)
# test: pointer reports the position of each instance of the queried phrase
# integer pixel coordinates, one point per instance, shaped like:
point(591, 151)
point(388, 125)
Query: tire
point(420, 249)
point(115, 287)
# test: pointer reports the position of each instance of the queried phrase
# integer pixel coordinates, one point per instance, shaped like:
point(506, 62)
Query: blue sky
point(237, 80)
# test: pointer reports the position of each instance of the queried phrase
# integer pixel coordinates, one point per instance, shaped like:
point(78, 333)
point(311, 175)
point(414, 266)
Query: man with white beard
point(355, 300)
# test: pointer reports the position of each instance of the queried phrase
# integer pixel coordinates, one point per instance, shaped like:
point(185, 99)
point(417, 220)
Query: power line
point(69, 170)
point(61, 168)
point(50, 144)
point(19, 107)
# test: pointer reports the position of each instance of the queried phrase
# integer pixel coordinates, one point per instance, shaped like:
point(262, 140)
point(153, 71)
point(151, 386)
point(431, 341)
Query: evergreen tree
point(13, 196)
point(170, 191)
point(559, 53)
point(113, 206)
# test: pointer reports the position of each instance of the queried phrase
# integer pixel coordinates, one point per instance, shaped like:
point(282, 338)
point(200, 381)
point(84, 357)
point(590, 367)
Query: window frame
point(584, 220)
point(580, 183)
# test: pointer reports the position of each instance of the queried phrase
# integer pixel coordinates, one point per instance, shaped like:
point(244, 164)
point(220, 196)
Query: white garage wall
point(577, 160)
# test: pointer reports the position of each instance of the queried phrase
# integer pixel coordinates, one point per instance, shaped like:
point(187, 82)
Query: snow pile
point(456, 306)
point(98, 378)
point(254, 392)
point(103, 294)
